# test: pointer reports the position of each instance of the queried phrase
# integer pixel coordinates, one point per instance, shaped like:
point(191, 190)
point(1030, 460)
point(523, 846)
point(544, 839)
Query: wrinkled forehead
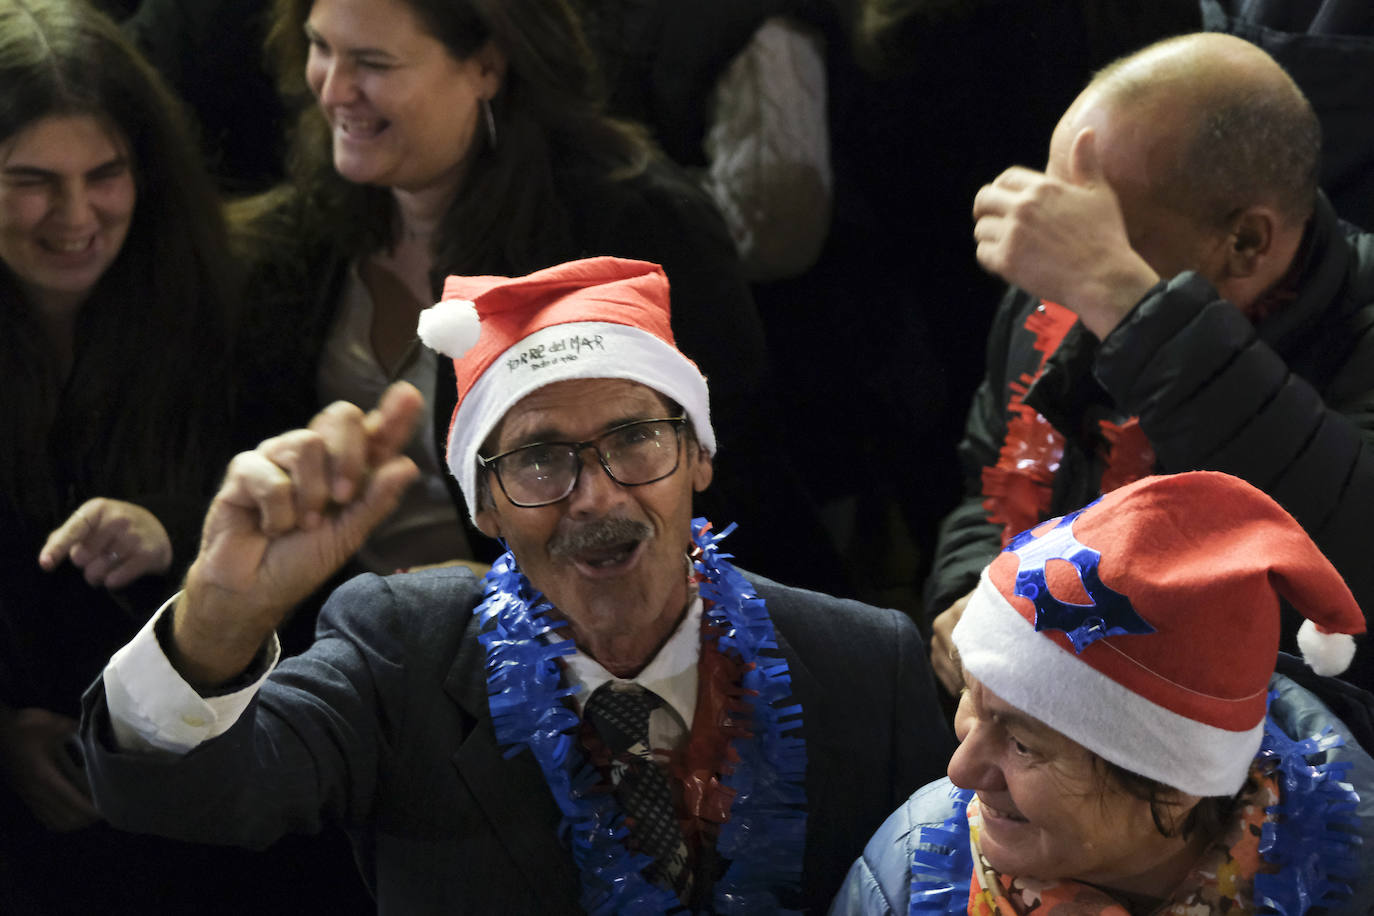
point(573, 408)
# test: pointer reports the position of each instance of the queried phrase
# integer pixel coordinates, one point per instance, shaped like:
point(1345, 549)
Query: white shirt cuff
point(152, 708)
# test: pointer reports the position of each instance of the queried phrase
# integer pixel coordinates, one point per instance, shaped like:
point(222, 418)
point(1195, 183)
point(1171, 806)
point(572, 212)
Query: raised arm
point(288, 515)
point(1063, 240)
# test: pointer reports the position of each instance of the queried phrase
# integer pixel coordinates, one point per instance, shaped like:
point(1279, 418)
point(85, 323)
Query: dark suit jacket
point(383, 726)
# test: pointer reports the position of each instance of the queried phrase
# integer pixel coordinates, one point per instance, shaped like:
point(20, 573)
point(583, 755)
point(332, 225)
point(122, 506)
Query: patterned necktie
point(620, 715)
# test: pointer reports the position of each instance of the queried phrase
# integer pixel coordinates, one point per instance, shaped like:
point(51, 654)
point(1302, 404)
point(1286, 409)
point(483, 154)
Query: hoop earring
point(491, 123)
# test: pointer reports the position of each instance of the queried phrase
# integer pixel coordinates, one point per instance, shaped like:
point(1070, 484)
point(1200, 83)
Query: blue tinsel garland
point(942, 865)
point(1311, 837)
point(765, 834)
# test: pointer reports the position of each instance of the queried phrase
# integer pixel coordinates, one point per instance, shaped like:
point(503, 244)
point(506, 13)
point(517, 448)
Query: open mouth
point(610, 559)
point(610, 555)
point(606, 547)
point(995, 813)
point(360, 128)
point(68, 246)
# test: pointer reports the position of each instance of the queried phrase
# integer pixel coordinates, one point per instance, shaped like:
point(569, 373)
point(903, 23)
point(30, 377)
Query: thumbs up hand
point(287, 516)
point(1063, 239)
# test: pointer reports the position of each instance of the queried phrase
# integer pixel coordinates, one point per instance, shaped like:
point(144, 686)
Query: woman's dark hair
point(135, 414)
point(1209, 817)
point(507, 217)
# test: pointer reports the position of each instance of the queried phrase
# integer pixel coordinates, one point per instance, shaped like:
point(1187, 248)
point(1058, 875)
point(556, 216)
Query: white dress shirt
point(152, 708)
point(671, 674)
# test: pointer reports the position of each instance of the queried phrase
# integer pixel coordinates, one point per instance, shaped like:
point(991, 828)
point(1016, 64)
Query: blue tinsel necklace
point(526, 697)
point(1310, 842)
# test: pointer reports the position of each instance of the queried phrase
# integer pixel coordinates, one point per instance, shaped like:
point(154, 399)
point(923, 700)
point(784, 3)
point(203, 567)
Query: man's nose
point(595, 490)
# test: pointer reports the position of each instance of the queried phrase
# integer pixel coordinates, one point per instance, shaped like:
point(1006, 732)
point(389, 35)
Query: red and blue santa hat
point(1145, 626)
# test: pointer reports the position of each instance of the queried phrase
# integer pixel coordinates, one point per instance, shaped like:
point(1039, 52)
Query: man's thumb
point(383, 493)
point(1084, 166)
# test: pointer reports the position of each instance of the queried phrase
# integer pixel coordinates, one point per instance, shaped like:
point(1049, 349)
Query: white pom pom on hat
point(451, 327)
point(1146, 626)
point(1328, 654)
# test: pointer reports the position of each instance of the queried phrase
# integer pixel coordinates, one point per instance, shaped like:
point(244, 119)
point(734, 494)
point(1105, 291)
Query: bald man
point(1182, 297)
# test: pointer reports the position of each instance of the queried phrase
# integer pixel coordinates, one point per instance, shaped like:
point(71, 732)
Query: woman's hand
point(111, 541)
point(37, 761)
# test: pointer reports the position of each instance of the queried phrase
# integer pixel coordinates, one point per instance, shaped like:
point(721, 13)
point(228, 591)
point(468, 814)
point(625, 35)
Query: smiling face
point(625, 591)
point(403, 112)
point(66, 202)
point(1047, 810)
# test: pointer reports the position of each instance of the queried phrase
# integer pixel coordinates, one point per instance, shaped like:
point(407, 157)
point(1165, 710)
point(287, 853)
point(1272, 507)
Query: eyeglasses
point(633, 454)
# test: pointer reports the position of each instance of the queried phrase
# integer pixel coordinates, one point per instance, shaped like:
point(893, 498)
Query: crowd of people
point(368, 520)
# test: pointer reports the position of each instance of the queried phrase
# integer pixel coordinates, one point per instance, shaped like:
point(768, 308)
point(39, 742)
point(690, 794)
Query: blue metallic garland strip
point(1312, 834)
point(766, 833)
point(942, 865)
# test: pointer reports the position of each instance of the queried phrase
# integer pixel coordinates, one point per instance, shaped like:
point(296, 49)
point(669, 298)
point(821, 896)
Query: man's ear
point(487, 522)
point(1250, 242)
point(702, 470)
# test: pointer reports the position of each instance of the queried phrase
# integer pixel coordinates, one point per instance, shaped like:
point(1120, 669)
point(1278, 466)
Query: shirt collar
point(671, 674)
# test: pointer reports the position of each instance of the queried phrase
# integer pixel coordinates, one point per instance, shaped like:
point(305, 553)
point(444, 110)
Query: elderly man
point(615, 720)
point(1184, 298)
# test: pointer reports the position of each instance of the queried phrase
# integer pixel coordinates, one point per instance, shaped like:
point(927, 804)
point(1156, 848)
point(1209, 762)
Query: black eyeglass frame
point(493, 465)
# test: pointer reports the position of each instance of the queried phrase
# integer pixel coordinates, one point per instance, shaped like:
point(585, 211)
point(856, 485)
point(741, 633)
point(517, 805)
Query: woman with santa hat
point(1126, 747)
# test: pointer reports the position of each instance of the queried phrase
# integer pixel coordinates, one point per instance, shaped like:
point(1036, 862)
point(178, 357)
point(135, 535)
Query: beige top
point(425, 528)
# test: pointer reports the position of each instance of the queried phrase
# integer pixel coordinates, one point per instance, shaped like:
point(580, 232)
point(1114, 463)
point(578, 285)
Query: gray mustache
point(597, 535)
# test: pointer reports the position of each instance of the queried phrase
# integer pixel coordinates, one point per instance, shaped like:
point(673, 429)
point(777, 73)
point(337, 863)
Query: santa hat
point(595, 318)
point(1145, 626)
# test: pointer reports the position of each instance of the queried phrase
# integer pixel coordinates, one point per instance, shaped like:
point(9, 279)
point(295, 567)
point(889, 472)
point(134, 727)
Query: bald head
point(1229, 127)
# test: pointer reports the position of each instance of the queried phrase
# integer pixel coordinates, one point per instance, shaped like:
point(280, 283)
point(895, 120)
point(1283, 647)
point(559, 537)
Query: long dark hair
point(143, 406)
point(549, 116)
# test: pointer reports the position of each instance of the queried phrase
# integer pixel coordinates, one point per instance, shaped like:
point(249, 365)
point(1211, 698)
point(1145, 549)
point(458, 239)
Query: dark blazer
point(383, 727)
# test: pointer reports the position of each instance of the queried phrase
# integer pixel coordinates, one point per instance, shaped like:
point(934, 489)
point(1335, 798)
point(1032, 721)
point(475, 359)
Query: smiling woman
point(66, 201)
point(116, 328)
point(402, 111)
point(1049, 807)
point(1126, 747)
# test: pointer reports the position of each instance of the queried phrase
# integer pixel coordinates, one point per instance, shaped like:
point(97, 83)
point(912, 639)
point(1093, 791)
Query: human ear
point(491, 63)
point(702, 470)
point(487, 522)
point(1250, 241)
